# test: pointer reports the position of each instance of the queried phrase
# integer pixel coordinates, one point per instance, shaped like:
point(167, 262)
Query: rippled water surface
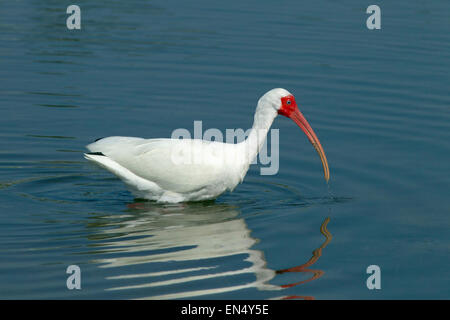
point(378, 100)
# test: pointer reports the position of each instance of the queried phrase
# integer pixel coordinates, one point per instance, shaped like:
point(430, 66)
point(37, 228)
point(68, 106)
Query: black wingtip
point(96, 154)
point(99, 139)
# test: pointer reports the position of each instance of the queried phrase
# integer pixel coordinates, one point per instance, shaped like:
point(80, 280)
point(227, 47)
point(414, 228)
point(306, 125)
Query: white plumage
point(151, 170)
point(178, 170)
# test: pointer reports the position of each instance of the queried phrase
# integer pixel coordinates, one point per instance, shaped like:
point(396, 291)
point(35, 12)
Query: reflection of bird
point(177, 170)
point(185, 244)
point(191, 239)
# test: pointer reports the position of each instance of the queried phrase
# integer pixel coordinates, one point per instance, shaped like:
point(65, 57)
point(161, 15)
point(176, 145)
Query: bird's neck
point(264, 116)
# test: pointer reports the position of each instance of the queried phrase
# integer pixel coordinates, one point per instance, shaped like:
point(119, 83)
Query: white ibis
point(179, 170)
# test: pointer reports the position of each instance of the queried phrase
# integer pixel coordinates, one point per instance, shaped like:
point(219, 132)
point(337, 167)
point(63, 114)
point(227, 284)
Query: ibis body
point(179, 170)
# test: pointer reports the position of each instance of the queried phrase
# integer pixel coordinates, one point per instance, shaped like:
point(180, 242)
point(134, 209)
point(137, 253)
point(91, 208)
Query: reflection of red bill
point(305, 267)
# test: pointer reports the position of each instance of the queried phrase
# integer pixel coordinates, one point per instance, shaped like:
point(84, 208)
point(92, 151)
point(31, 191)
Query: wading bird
point(179, 170)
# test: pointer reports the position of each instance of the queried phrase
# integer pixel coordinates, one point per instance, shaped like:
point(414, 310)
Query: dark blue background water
point(378, 100)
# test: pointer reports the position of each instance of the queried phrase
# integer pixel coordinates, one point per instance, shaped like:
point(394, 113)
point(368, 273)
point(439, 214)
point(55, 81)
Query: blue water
point(378, 100)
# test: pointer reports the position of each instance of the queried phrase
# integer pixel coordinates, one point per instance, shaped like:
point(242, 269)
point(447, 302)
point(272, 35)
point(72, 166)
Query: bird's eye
point(288, 102)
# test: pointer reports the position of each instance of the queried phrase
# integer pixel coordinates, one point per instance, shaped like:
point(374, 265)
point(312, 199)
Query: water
point(378, 100)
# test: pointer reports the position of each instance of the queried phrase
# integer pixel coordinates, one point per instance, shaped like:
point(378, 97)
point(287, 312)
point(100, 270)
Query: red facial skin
point(289, 109)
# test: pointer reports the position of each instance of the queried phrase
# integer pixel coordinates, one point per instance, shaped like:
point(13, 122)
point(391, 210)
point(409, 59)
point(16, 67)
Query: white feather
point(172, 170)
